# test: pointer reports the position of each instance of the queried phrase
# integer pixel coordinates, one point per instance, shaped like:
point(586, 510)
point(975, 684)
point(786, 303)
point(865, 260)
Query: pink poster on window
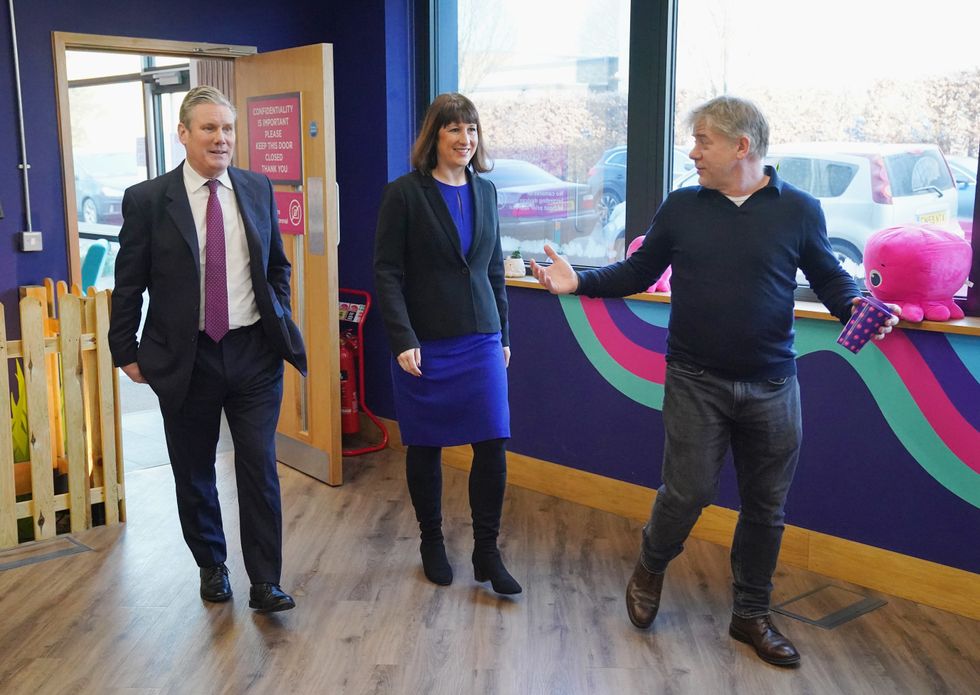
point(290, 207)
point(275, 138)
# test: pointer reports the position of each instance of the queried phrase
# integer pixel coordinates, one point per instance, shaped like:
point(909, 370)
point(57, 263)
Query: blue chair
point(94, 262)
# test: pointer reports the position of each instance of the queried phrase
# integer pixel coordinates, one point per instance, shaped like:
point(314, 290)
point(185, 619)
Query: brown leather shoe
point(769, 643)
point(643, 596)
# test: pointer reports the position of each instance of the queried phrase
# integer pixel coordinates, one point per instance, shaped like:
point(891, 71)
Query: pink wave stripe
point(637, 360)
point(958, 434)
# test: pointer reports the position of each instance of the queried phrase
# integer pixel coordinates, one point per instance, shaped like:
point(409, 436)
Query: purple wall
point(11, 197)
point(372, 72)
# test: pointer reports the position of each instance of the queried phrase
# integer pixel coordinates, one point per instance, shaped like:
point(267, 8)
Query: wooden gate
point(61, 440)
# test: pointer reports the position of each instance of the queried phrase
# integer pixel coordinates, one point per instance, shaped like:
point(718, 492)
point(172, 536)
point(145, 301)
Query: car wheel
point(607, 201)
point(90, 213)
point(850, 259)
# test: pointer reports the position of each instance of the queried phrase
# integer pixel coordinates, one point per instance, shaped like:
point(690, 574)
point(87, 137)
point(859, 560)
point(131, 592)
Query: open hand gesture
point(559, 277)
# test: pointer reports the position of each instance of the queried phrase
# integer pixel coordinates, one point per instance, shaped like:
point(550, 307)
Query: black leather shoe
point(435, 564)
point(769, 643)
point(269, 598)
point(215, 586)
point(490, 566)
point(643, 596)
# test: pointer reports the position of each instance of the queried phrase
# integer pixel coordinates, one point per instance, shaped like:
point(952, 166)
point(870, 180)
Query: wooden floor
point(126, 617)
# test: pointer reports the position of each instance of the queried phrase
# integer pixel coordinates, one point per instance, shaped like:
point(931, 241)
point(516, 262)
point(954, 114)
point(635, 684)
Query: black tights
point(488, 479)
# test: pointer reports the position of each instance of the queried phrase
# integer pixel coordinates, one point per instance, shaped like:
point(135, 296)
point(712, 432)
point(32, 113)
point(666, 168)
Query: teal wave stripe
point(640, 390)
point(897, 406)
point(967, 348)
point(654, 313)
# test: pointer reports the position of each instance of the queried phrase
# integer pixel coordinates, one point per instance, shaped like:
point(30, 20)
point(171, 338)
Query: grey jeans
point(704, 416)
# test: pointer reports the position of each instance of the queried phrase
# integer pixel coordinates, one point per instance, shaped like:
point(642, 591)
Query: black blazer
point(426, 288)
point(158, 252)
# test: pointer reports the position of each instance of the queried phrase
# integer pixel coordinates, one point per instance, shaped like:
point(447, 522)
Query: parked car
point(100, 180)
point(864, 187)
point(535, 206)
point(607, 178)
point(614, 231)
point(965, 172)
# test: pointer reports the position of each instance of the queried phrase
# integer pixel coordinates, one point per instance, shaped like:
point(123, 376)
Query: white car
point(864, 187)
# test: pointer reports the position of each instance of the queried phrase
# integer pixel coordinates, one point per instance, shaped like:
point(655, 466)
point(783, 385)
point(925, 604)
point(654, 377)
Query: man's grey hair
point(734, 117)
point(203, 94)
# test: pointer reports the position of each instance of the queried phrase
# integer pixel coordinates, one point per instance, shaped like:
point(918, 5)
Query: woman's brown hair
point(446, 109)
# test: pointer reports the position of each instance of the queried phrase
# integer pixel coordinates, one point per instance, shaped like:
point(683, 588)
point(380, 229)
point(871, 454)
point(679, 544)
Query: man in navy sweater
point(734, 244)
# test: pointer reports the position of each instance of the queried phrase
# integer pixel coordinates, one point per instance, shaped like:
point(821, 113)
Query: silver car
point(864, 187)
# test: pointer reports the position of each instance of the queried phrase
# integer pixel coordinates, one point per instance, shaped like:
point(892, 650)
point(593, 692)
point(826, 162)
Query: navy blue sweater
point(734, 275)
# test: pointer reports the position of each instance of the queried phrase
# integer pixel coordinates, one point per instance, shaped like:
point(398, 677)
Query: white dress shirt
point(242, 310)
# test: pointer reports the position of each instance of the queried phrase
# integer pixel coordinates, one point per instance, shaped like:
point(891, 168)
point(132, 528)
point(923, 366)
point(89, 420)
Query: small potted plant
point(514, 266)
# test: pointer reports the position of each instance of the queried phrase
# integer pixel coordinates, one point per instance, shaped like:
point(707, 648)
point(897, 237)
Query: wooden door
point(308, 436)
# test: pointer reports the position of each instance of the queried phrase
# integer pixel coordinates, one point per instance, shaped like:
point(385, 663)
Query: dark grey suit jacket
point(159, 252)
point(426, 288)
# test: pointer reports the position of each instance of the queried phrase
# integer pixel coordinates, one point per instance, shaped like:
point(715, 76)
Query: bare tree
point(954, 102)
point(483, 42)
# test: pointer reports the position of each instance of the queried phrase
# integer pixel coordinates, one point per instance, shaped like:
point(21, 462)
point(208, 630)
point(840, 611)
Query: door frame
point(61, 43)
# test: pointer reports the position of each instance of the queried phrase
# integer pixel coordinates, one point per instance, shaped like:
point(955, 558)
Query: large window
point(549, 79)
point(872, 105)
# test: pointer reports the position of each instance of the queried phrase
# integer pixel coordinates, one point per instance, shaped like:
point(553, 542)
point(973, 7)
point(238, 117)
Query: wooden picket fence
point(73, 422)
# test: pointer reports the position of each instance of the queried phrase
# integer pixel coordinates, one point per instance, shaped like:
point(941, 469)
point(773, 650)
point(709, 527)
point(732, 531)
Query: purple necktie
point(215, 274)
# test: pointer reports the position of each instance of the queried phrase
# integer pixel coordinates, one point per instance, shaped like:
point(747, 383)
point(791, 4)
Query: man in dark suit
point(204, 241)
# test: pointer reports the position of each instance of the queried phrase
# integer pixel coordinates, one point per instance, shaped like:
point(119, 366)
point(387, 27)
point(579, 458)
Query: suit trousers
point(241, 375)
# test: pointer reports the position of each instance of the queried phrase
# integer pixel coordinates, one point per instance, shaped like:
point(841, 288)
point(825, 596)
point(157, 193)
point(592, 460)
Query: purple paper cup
point(864, 323)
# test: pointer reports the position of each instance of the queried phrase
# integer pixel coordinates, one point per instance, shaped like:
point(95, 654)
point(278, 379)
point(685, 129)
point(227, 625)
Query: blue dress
point(461, 396)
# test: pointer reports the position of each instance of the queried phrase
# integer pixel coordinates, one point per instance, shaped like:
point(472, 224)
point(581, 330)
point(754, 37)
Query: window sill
point(808, 310)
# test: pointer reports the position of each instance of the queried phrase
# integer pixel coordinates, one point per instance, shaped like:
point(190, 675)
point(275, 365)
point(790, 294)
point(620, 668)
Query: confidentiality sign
point(275, 140)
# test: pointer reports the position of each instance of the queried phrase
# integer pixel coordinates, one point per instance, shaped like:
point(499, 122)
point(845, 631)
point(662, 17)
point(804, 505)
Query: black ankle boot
point(435, 564)
point(486, 487)
point(488, 565)
point(423, 471)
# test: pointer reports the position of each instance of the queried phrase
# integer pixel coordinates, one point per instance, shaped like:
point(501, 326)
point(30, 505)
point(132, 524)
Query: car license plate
point(932, 217)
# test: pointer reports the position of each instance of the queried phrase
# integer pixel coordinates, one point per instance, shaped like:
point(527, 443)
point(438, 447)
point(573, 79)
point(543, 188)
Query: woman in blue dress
point(439, 277)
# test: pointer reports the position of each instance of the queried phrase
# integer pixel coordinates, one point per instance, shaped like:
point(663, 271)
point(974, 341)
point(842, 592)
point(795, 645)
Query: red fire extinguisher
point(352, 372)
point(350, 422)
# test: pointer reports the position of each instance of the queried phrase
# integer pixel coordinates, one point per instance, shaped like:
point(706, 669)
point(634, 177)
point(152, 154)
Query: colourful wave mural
point(927, 385)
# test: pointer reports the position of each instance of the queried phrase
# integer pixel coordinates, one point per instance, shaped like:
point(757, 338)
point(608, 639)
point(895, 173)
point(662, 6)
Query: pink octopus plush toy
point(663, 282)
point(919, 267)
